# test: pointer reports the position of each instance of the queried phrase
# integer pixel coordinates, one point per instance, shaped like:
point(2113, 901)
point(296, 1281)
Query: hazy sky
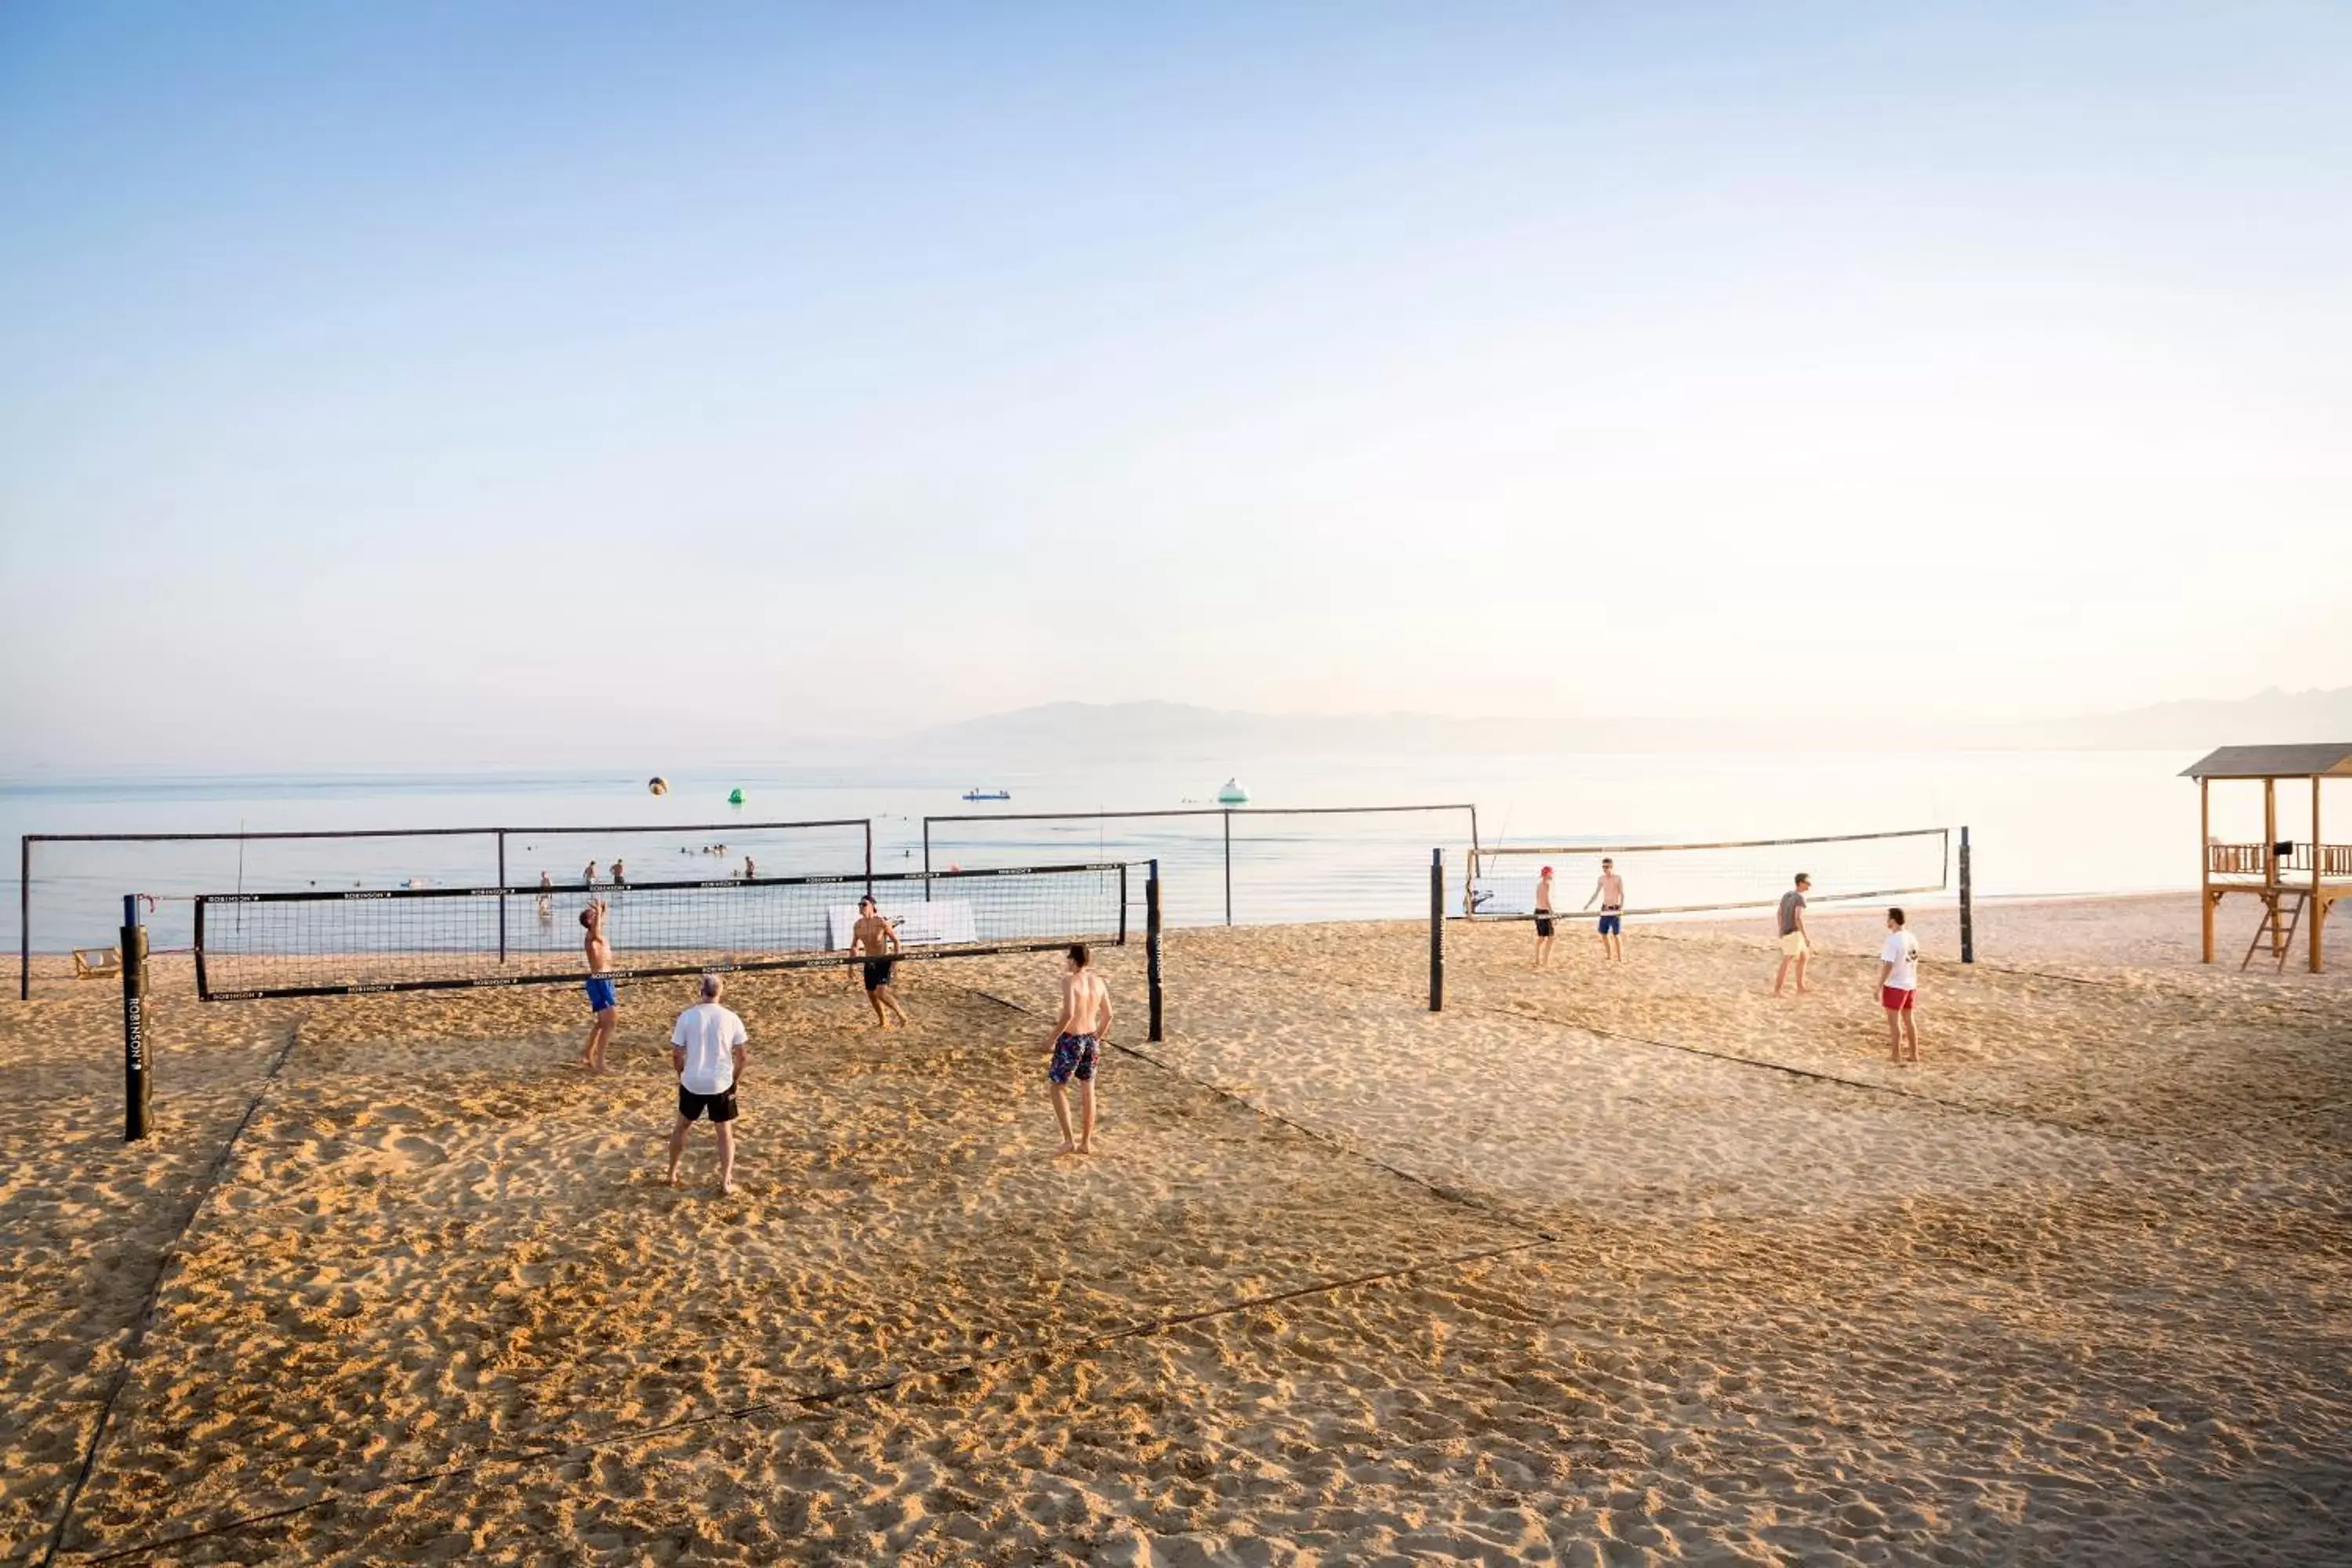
point(426, 382)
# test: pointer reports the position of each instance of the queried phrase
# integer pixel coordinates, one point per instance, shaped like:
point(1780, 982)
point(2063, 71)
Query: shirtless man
point(873, 937)
point(547, 895)
point(603, 1000)
point(1610, 890)
point(1078, 1034)
point(1543, 919)
point(589, 876)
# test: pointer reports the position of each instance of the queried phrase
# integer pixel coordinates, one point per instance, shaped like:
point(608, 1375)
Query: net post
point(502, 895)
point(1122, 903)
point(927, 859)
point(25, 918)
point(1968, 905)
point(204, 991)
point(1229, 867)
point(138, 1090)
point(1151, 952)
point(869, 858)
point(1437, 930)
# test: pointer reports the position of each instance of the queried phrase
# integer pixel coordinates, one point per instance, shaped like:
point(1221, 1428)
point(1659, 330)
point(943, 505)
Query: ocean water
point(2042, 823)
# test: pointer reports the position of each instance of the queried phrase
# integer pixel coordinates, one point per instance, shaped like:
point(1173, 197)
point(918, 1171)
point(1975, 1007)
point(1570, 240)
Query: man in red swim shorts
point(1898, 988)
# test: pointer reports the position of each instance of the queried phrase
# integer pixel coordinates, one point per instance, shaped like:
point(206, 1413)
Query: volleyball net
point(1696, 878)
point(347, 942)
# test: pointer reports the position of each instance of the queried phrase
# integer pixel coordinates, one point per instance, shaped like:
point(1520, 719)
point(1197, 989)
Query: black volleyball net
point(1694, 879)
point(436, 939)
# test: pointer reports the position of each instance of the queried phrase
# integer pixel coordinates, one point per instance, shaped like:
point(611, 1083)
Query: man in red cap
point(1543, 920)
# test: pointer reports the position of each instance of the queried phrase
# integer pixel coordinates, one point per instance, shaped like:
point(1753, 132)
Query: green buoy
point(734, 798)
point(1235, 793)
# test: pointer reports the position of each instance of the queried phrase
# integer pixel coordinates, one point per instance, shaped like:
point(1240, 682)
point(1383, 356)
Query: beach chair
point(97, 963)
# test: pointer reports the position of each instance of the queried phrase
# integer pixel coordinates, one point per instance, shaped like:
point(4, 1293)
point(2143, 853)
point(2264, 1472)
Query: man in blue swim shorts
point(603, 1000)
point(1078, 1034)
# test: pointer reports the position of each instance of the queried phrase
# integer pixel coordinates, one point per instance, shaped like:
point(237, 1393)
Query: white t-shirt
point(710, 1033)
point(1902, 951)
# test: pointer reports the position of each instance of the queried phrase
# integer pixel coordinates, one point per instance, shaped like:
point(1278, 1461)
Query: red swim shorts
point(1896, 1000)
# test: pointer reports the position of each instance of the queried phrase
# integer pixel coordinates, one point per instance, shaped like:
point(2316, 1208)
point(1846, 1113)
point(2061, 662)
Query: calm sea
point(2042, 822)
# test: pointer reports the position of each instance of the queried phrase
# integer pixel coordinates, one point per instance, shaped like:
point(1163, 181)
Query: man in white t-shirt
point(707, 1047)
point(1898, 988)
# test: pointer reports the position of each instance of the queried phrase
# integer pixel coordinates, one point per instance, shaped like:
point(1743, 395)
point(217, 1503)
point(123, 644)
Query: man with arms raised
point(1611, 890)
point(873, 937)
point(604, 1001)
point(1796, 944)
point(708, 1048)
point(1078, 1034)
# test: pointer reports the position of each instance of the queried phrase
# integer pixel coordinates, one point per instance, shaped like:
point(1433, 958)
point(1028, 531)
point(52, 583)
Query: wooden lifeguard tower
point(2296, 881)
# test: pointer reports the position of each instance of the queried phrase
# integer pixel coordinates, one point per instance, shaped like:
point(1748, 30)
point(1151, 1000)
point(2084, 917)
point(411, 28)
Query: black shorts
point(1543, 925)
point(722, 1105)
point(877, 973)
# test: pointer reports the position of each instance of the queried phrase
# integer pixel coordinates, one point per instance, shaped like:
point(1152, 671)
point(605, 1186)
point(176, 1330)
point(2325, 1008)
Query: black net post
point(926, 862)
point(24, 920)
point(1152, 953)
point(138, 1101)
point(1967, 906)
point(1229, 868)
point(1437, 930)
point(502, 895)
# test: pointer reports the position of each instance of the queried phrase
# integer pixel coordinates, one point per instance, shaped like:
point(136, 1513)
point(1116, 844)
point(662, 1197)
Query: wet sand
point(1614, 1263)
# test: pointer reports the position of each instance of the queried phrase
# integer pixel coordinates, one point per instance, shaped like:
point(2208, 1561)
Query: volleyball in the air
point(658, 784)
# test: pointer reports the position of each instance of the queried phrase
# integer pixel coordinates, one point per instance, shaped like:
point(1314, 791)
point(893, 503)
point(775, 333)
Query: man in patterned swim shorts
point(1078, 1034)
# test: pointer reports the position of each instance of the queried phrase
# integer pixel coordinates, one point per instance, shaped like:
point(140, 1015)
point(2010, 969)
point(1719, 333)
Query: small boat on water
point(977, 794)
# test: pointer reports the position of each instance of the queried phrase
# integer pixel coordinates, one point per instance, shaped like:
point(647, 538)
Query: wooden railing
point(2295, 866)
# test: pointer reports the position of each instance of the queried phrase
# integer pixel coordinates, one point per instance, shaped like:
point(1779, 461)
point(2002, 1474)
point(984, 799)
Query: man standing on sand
point(547, 895)
point(1898, 987)
point(707, 1049)
point(603, 1000)
point(589, 876)
point(1796, 946)
point(873, 937)
point(1078, 1034)
point(1543, 919)
point(1611, 890)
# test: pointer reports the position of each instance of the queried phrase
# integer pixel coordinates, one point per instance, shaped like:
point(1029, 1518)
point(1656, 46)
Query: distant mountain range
point(1148, 730)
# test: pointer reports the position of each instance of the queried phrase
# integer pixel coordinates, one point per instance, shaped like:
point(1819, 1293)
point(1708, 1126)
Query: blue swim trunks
point(1611, 925)
point(1073, 1057)
point(602, 997)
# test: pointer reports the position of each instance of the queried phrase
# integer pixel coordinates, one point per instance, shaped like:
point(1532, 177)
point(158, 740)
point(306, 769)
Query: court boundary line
point(819, 1398)
point(146, 1318)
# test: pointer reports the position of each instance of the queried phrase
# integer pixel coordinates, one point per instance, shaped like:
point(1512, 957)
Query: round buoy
point(734, 798)
point(658, 784)
point(1234, 793)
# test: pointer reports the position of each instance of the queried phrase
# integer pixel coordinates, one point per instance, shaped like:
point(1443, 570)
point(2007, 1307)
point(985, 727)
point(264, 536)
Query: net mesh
point(1692, 878)
point(310, 944)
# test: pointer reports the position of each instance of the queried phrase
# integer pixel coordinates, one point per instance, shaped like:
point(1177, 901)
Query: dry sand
point(1616, 1263)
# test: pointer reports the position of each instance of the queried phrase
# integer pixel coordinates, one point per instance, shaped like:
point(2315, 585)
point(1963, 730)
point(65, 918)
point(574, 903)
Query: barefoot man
point(1796, 946)
point(1898, 987)
point(707, 1049)
point(603, 1000)
point(1611, 892)
point(873, 937)
point(1543, 919)
point(1078, 1034)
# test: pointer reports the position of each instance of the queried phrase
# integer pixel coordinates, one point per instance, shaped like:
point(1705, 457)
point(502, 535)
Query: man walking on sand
point(874, 937)
point(1543, 919)
point(1611, 892)
point(707, 1049)
point(1078, 1034)
point(1796, 945)
point(1898, 987)
point(603, 1002)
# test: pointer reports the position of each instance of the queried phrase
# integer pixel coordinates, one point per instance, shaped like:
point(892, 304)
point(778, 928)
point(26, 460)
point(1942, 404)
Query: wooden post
point(2271, 865)
point(2317, 913)
point(2205, 862)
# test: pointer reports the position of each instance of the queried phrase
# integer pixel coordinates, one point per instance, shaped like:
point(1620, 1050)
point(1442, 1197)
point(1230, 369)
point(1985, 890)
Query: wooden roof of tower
point(2330, 759)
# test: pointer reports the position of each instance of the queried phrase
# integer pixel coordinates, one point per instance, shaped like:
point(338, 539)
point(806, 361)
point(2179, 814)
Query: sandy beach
point(1610, 1264)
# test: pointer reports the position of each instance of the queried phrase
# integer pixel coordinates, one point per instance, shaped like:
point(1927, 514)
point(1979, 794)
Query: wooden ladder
point(2285, 906)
